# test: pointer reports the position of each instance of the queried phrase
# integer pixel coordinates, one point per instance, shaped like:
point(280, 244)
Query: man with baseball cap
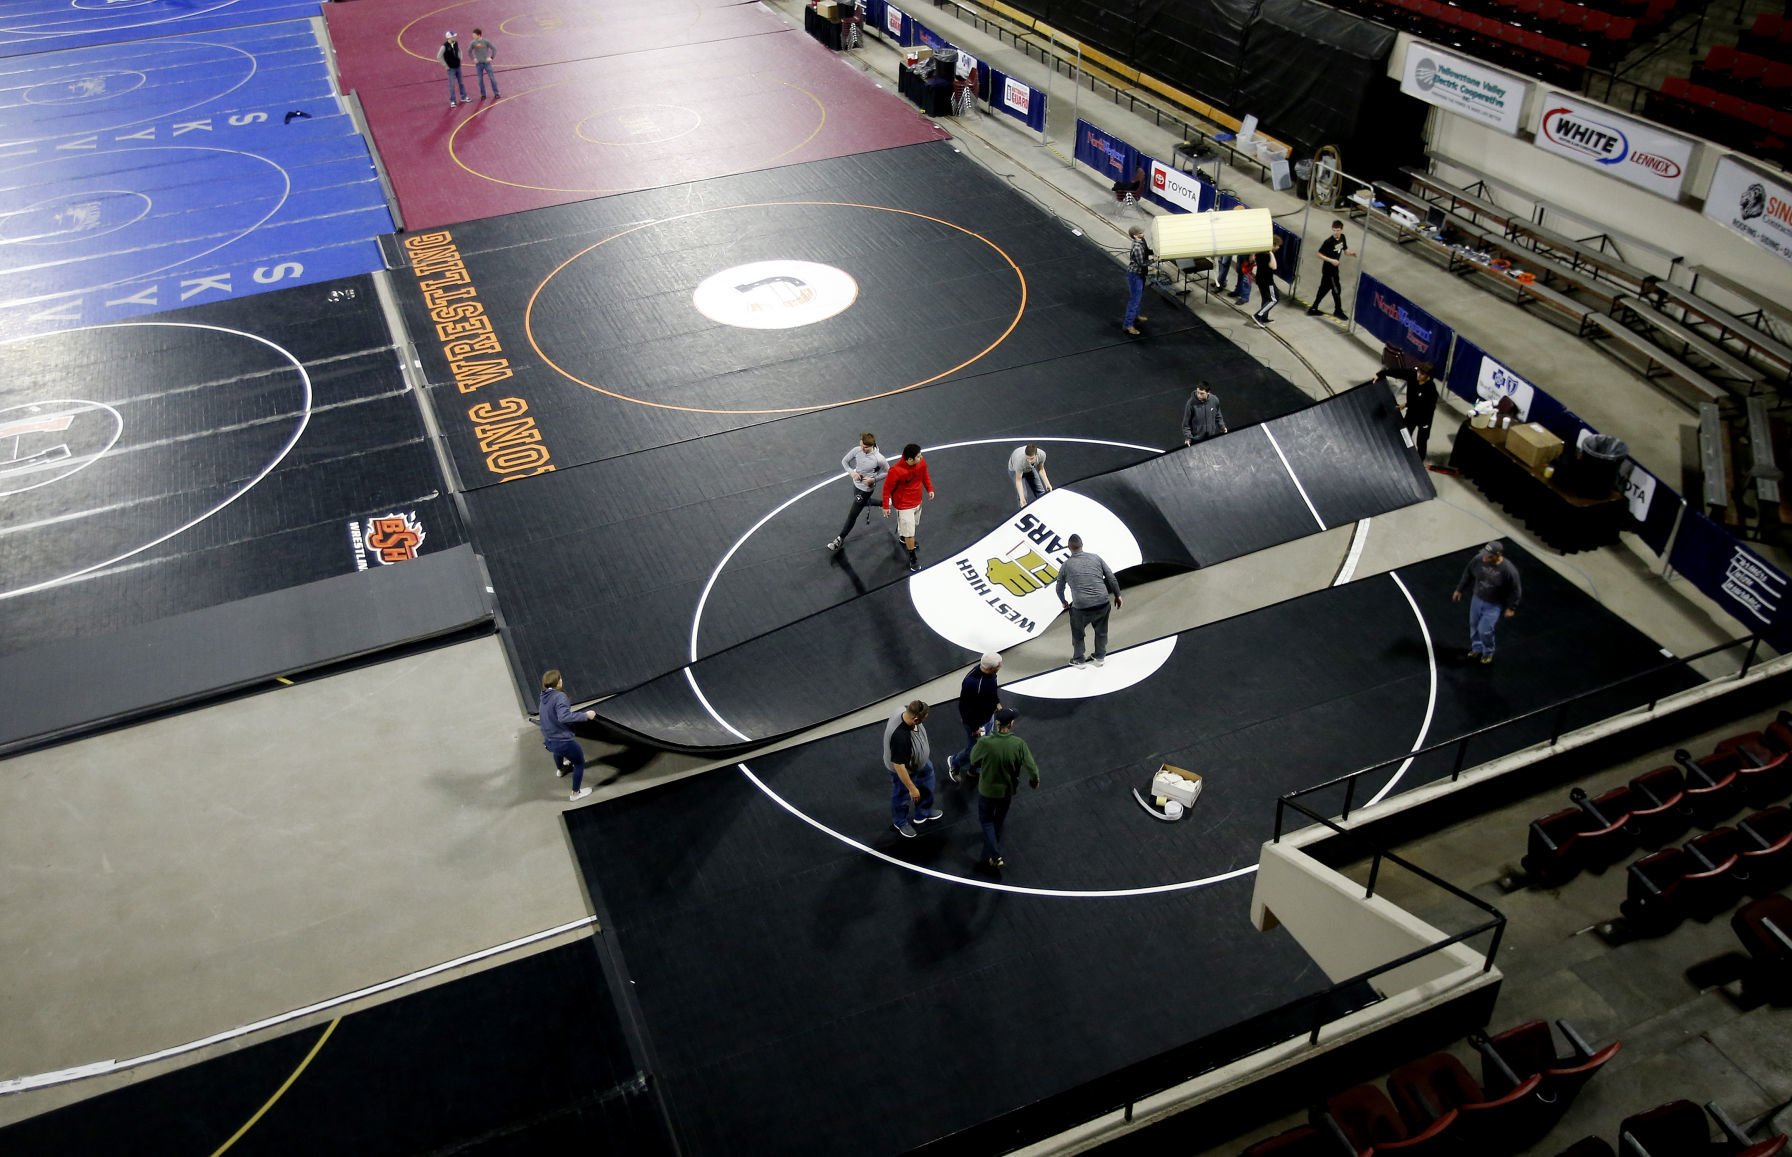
point(449, 55)
point(999, 758)
point(1491, 582)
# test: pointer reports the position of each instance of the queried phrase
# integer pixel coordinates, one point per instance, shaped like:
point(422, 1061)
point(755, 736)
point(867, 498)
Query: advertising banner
point(1104, 152)
point(1401, 324)
point(1010, 96)
point(1755, 205)
point(1465, 87)
point(1751, 589)
point(895, 23)
point(1616, 145)
point(1178, 191)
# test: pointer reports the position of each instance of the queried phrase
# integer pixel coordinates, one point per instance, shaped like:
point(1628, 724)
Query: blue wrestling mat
point(30, 26)
point(208, 85)
point(143, 177)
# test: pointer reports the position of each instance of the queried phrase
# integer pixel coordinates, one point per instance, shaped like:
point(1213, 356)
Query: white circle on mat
point(45, 442)
point(775, 294)
point(1121, 670)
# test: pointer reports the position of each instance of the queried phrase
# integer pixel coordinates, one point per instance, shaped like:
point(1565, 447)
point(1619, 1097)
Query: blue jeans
point(568, 750)
point(991, 814)
point(1223, 268)
point(454, 82)
point(1483, 617)
point(1243, 296)
point(483, 69)
point(963, 758)
point(899, 794)
point(1135, 293)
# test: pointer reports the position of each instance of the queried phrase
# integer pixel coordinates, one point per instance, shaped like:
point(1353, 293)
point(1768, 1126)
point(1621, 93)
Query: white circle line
point(304, 421)
point(218, 5)
point(1431, 699)
point(254, 66)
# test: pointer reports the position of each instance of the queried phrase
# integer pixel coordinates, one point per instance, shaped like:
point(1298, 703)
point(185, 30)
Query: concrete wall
point(1344, 933)
point(1596, 203)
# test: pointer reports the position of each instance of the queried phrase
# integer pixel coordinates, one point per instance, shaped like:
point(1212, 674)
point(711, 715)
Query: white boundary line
point(63, 1076)
point(113, 128)
point(1430, 699)
point(299, 432)
point(1294, 478)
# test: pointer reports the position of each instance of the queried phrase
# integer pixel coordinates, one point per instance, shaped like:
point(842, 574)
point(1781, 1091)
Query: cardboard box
point(917, 54)
point(1533, 445)
point(1175, 783)
point(828, 9)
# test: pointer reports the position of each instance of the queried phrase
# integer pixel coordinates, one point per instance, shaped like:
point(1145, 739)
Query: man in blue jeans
point(1138, 267)
point(557, 717)
point(1001, 756)
point(907, 756)
point(1491, 582)
point(448, 56)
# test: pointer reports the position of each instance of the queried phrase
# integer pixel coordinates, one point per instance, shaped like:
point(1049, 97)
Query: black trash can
point(1593, 473)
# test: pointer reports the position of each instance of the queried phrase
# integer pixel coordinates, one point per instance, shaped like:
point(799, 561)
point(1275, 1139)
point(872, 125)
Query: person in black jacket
point(1421, 402)
point(978, 700)
point(1265, 276)
point(449, 57)
point(1332, 252)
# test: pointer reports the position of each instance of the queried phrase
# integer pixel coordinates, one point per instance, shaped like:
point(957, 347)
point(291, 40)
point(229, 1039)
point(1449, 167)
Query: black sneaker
point(914, 567)
point(836, 545)
point(905, 830)
point(952, 770)
point(1312, 313)
point(1340, 317)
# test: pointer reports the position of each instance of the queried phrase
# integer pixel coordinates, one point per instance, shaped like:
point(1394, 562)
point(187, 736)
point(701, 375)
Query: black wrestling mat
point(1326, 465)
point(695, 463)
point(159, 475)
point(526, 1058)
point(878, 992)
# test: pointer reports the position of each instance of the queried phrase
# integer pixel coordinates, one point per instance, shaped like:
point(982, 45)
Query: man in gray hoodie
point(907, 755)
point(1090, 582)
point(1494, 590)
point(866, 467)
point(1201, 417)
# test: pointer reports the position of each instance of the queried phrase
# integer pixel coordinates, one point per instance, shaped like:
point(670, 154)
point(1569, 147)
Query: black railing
point(1558, 712)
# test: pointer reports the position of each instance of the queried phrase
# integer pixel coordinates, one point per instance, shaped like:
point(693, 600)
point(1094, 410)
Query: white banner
point(1755, 205)
point(1459, 85)
point(893, 21)
point(1179, 189)
point(1615, 145)
point(1495, 381)
point(1016, 95)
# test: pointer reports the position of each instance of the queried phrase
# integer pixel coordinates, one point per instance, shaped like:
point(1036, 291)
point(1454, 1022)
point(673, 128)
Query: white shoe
point(1098, 661)
point(453, 104)
point(560, 771)
point(580, 794)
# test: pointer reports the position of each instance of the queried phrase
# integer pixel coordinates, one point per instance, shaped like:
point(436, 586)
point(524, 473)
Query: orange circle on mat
point(1019, 310)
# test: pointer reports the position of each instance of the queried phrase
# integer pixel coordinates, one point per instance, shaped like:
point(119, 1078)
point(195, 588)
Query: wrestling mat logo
point(387, 539)
point(1000, 591)
point(775, 294)
point(45, 442)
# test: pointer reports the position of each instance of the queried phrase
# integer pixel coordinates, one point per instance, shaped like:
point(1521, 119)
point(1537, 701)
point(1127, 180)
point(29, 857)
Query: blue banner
point(1399, 323)
point(1735, 577)
point(1020, 101)
point(1653, 504)
point(1104, 152)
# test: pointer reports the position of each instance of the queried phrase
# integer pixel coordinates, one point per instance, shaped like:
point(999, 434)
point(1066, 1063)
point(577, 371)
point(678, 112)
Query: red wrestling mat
point(570, 132)
point(392, 42)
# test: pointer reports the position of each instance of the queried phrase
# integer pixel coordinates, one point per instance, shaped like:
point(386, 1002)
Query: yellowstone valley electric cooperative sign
point(1615, 145)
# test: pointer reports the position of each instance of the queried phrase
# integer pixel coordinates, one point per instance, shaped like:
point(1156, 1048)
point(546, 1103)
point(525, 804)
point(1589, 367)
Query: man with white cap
point(1491, 582)
point(978, 701)
point(449, 55)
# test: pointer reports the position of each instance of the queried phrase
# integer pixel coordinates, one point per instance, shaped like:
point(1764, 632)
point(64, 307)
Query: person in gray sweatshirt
point(1090, 583)
point(910, 763)
point(1201, 417)
point(1494, 590)
point(866, 467)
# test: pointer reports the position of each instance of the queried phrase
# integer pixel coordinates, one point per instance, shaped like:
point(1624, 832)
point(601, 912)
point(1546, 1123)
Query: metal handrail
point(1560, 707)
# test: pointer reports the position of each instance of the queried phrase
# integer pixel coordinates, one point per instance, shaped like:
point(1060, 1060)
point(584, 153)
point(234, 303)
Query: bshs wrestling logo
point(387, 539)
point(775, 294)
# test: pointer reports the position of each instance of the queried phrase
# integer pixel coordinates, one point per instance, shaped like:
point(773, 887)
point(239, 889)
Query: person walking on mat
point(1421, 403)
point(1491, 583)
point(555, 721)
point(484, 53)
point(978, 700)
point(1264, 274)
point(1201, 417)
point(1000, 758)
point(449, 57)
point(910, 761)
point(1331, 260)
point(866, 468)
point(1091, 582)
point(1138, 267)
point(906, 481)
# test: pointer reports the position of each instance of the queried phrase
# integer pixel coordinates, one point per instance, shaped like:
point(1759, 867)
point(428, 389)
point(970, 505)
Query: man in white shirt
point(1026, 469)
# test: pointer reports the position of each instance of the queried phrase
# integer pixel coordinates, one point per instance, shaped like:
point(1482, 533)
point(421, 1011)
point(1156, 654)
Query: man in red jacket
point(903, 487)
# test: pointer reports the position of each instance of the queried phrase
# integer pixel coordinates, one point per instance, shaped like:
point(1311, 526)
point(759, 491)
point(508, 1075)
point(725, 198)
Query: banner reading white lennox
point(1615, 145)
point(1174, 187)
point(1752, 203)
point(1459, 85)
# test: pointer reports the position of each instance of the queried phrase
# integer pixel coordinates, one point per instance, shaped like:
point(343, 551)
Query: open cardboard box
point(1179, 784)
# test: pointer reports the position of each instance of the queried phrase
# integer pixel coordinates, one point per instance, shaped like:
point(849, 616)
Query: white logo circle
point(775, 294)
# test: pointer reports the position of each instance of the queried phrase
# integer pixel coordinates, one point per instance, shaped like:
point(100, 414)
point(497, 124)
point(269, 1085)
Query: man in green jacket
point(1000, 758)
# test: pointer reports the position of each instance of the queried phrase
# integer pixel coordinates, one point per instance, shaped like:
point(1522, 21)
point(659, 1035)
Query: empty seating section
point(1550, 39)
point(1697, 350)
point(1736, 97)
